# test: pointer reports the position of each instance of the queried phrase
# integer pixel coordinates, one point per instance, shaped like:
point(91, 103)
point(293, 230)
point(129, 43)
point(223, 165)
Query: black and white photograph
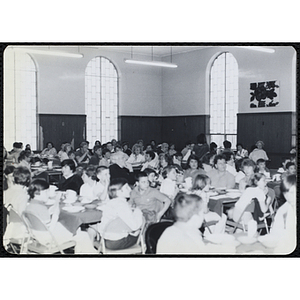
point(149, 149)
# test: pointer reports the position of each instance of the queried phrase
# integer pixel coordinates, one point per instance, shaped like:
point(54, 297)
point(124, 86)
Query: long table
point(216, 203)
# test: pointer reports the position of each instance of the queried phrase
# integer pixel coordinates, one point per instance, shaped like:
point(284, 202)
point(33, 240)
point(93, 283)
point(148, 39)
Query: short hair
point(189, 142)
point(194, 157)
point(9, 170)
point(18, 145)
point(206, 158)
point(260, 160)
point(97, 147)
point(248, 163)
point(140, 175)
point(239, 144)
point(227, 144)
point(50, 144)
point(184, 206)
point(105, 150)
point(200, 181)
point(115, 185)
point(151, 154)
point(290, 163)
point(23, 154)
point(228, 155)
point(66, 145)
point(118, 145)
point(287, 182)
point(219, 157)
point(149, 171)
point(22, 176)
point(261, 142)
point(36, 186)
point(101, 168)
point(201, 138)
point(70, 163)
point(212, 146)
point(90, 172)
point(84, 143)
point(167, 170)
point(71, 152)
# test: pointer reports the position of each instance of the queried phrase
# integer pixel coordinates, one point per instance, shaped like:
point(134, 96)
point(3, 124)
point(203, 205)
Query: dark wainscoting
point(274, 129)
point(62, 128)
point(173, 129)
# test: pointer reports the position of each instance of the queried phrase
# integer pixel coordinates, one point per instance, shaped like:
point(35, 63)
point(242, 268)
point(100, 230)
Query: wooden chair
point(35, 225)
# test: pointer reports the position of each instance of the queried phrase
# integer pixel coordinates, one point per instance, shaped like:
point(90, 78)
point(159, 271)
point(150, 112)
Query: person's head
point(39, 190)
point(259, 144)
point(284, 161)
point(213, 147)
point(113, 142)
point(97, 143)
point(201, 182)
point(137, 149)
point(142, 181)
point(140, 143)
point(89, 174)
point(178, 157)
point(220, 163)
point(164, 159)
point(84, 146)
point(119, 187)
point(67, 147)
point(106, 153)
point(288, 188)
point(8, 179)
point(291, 167)
point(150, 155)
point(125, 146)
point(149, 147)
point(28, 147)
point(49, 145)
point(259, 180)
point(201, 139)
point(261, 164)
point(248, 166)
point(151, 174)
point(170, 172)
point(17, 146)
point(229, 158)
point(207, 161)
point(24, 155)
point(239, 147)
point(118, 147)
point(164, 147)
point(153, 143)
point(98, 150)
point(193, 162)
point(71, 154)
point(22, 176)
point(103, 173)
point(188, 144)
point(186, 206)
point(227, 144)
point(68, 167)
point(109, 146)
point(172, 146)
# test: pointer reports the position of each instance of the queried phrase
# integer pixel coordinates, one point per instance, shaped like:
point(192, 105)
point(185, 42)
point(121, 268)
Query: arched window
point(101, 100)
point(20, 99)
point(224, 99)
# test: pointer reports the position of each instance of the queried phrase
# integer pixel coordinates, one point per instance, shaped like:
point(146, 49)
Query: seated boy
point(261, 167)
point(169, 185)
point(149, 200)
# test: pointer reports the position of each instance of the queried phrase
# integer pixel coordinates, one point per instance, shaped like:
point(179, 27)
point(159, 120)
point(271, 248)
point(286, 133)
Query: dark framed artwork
point(264, 94)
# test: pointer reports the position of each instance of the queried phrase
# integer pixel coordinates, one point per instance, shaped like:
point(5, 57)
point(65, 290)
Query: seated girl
point(257, 190)
point(248, 167)
point(282, 235)
point(64, 153)
point(201, 187)
point(151, 160)
point(120, 222)
point(49, 151)
point(91, 189)
point(39, 195)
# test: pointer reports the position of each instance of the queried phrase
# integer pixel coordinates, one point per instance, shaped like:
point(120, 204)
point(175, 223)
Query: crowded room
point(149, 150)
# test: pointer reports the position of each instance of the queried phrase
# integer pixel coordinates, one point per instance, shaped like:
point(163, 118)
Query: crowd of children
point(145, 184)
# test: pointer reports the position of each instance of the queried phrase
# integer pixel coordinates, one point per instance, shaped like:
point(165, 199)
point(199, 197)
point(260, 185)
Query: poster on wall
point(264, 94)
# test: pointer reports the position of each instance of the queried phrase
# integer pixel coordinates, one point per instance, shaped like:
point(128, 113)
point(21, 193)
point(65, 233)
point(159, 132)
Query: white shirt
point(169, 188)
point(91, 192)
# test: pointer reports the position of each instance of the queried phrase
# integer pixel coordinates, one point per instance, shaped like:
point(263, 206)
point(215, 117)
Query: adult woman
point(282, 236)
point(241, 152)
point(247, 167)
point(69, 180)
point(91, 189)
point(120, 223)
point(193, 168)
point(39, 195)
point(49, 151)
point(258, 152)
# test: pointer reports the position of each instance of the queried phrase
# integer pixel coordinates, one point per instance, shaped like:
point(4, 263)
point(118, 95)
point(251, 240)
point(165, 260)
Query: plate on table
point(73, 209)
